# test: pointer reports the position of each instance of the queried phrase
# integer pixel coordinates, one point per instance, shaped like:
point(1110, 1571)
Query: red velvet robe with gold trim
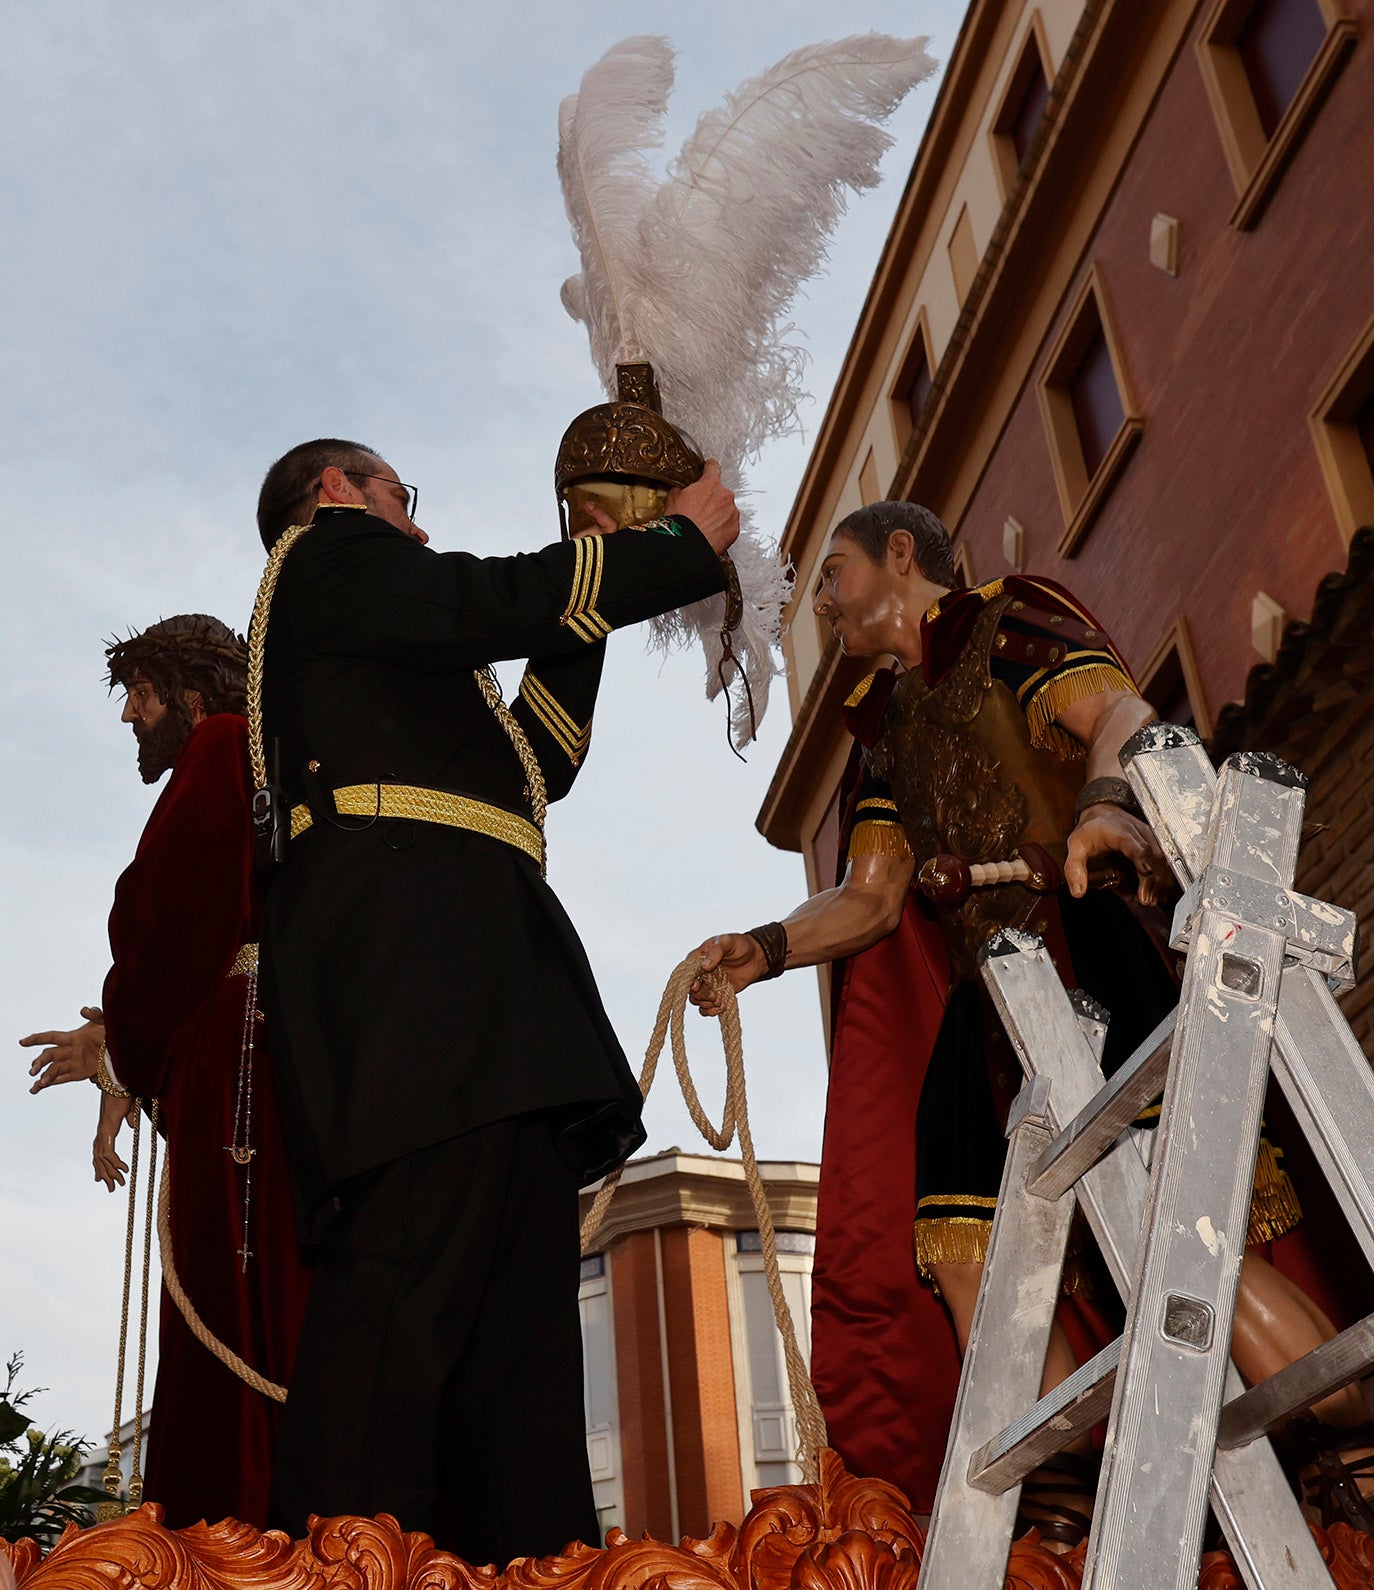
point(174, 1022)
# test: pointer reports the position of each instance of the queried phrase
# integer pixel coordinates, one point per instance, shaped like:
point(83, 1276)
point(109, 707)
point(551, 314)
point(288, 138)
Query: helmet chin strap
point(734, 612)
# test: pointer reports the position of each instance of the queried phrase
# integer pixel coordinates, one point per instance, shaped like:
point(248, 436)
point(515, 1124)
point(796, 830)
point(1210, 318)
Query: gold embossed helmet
point(624, 456)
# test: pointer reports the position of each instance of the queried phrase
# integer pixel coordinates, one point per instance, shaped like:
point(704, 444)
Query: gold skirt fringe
point(963, 1239)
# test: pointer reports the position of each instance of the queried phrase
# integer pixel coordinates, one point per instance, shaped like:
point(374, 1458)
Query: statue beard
point(160, 746)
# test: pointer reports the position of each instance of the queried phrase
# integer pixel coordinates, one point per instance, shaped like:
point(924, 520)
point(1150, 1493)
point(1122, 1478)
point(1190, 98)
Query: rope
point(671, 1014)
point(136, 1466)
point(199, 1329)
point(113, 1479)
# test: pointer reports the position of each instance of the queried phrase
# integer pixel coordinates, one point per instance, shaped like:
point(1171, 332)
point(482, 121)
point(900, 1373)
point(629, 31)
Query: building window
point(1268, 65)
point(1343, 428)
point(1090, 420)
point(1097, 408)
point(1022, 109)
point(783, 1241)
point(601, 1393)
point(1170, 681)
point(915, 380)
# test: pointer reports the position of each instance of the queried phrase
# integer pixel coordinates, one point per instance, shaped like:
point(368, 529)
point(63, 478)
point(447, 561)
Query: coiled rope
point(734, 1121)
point(672, 1011)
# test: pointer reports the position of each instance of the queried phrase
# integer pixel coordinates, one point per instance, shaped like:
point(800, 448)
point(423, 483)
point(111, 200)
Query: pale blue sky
point(231, 228)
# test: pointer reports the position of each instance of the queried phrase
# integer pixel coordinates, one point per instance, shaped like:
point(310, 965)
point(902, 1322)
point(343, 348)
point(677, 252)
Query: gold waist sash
point(431, 806)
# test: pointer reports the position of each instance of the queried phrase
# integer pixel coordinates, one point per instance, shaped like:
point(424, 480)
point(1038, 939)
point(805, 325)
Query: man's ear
point(335, 486)
point(901, 551)
point(195, 705)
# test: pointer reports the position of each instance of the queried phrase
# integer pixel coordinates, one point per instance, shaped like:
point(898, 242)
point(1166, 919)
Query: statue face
point(858, 598)
point(161, 728)
point(142, 707)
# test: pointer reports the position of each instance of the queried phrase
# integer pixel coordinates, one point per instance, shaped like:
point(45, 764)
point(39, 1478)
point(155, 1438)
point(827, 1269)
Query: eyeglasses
point(412, 492)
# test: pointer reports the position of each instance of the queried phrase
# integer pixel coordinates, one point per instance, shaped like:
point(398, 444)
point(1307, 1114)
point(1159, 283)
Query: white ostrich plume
point(696, 271)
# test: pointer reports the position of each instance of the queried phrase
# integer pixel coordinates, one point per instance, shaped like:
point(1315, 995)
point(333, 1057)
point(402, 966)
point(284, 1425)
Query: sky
point(231, 228)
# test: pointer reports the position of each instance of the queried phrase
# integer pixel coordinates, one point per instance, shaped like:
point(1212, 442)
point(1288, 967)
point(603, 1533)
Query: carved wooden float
point(842, 1534)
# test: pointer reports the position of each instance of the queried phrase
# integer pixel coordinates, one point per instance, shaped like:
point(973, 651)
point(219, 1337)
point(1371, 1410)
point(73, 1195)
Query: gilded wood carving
point(841, 1534)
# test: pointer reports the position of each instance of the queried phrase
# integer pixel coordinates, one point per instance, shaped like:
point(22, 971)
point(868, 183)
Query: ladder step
point(1307, 1380)
point(1091, 1133)
point(1056, 1421)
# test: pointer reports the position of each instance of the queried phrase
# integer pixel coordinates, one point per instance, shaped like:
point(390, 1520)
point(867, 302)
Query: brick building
point(1122, 334)
point(688, 1408)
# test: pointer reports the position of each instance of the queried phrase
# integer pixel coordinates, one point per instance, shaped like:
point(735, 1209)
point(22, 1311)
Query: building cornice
point(696, 1190)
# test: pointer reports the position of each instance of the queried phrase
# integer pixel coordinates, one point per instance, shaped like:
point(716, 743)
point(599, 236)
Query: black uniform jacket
point(423, 980)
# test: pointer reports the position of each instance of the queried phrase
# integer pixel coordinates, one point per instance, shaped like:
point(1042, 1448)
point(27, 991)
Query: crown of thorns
point(190, 636)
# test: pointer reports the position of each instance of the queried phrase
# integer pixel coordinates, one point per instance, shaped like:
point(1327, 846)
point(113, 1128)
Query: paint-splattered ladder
point(1262, 961)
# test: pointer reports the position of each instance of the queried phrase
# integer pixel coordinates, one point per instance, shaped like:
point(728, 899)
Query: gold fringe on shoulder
point(859, 691)
point(1274, 1206)
point(1062, 691)
point(875, 838)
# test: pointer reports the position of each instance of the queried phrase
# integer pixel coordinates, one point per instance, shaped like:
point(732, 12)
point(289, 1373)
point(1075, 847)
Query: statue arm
point(1103, 723)
point(865, 907)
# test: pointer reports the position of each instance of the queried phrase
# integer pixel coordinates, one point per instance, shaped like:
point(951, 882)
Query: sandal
point(1043, 1505)
point(1332, 1462)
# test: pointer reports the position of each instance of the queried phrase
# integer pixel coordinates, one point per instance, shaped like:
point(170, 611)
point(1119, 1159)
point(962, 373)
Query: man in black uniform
point(448, 1076)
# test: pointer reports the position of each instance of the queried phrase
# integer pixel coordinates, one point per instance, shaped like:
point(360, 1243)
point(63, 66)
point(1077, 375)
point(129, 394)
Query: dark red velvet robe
point(174, 1022)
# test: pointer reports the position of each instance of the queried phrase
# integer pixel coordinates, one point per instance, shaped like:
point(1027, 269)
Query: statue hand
point(70, 1056)
point(1105, 829)
point(739, 956)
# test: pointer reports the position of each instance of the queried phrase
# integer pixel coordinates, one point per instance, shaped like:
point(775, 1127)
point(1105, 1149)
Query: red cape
point(174, 1021)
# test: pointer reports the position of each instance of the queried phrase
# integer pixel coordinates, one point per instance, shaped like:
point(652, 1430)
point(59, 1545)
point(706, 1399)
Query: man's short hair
point(192, 651)
point(871, 529)
point(289, 486)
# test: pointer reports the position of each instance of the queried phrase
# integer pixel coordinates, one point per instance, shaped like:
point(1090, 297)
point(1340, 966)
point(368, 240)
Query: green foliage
point(37, 1497)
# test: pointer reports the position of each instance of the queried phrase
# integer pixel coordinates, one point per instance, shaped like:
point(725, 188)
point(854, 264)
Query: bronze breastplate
point(968, 781)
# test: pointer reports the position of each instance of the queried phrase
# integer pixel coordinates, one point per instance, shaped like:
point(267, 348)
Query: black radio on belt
point(271, 815)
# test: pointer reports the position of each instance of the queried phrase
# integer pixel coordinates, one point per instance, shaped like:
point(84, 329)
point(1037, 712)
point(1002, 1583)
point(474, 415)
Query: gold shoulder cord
point(257, 647)
point(485, 677)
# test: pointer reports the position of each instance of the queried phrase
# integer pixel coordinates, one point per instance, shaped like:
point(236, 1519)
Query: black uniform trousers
point(439, 1372)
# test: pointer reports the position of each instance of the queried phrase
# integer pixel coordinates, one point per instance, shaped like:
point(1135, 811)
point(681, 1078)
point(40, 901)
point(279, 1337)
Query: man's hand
point(601, 522)
point(1106, 829)
point(109, 1167)
point(70, 1056)
point(709, 506)
point(739, 956)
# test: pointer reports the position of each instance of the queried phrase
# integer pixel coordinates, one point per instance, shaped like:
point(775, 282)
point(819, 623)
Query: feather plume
point(708, 269)
point(604, 131)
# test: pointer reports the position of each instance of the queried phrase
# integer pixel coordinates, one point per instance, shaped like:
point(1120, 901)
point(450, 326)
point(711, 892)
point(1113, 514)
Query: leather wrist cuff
point(1109, 792)
point(771, 938)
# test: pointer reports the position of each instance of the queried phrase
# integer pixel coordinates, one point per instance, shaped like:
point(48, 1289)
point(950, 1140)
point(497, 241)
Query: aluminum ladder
point(1262, 962)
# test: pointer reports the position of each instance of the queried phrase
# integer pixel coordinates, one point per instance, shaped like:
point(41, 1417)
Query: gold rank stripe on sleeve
point(581, 615)
point(571, 739)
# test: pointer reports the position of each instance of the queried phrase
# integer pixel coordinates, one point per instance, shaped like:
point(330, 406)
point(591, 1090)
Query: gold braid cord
point(671, 1013)
point(199, 1329)
point(534, 774)
point(257, 648)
